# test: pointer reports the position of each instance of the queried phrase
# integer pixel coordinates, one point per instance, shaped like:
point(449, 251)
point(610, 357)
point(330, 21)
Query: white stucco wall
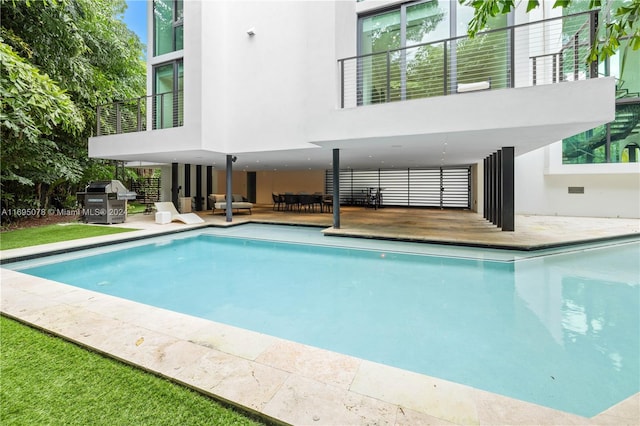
point(263, 90)
point(542, 182)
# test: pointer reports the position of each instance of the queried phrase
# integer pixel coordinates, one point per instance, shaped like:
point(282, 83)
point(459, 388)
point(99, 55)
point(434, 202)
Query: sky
point(136, 18)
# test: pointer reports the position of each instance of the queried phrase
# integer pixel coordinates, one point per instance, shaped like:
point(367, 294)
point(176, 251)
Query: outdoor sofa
point(238, 202)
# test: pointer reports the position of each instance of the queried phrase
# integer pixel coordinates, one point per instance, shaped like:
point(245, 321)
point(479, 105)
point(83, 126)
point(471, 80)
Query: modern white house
point(337, 96)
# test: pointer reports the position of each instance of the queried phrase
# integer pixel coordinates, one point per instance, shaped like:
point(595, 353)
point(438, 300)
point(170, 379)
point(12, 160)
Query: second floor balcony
point(543, 52)
point(431, 98)
point(160, 111)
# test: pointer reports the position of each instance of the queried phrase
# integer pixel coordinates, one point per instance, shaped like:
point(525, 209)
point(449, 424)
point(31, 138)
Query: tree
point(32, 107)
point(89, 55)
point(624, 23)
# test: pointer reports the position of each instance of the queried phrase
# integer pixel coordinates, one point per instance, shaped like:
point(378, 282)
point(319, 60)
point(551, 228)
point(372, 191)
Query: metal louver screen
point(434, 187)
point(425, 187)
point(395, 187)
point(456, 184)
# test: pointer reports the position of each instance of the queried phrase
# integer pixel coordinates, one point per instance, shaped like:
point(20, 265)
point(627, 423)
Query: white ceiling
point(432, 150)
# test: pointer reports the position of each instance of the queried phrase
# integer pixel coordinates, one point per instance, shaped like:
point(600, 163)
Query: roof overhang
point(443, 131)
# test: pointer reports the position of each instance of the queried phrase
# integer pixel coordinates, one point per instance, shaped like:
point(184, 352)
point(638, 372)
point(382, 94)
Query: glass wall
point(379, 33)
point(167, 26)
point(412, 69)
point(618, 141)
point(168, 105)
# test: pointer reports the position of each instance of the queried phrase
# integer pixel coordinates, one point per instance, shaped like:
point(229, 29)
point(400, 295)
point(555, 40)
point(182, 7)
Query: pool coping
point(279, 380)
point(33, 252)
point(493, 246)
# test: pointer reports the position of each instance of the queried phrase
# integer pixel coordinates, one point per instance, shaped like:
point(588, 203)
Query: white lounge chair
point(187, 218)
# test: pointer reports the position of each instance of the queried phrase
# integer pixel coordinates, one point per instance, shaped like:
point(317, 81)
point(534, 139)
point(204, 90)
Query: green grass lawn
point(46, 380)
point(135, 208)
point(54, 233)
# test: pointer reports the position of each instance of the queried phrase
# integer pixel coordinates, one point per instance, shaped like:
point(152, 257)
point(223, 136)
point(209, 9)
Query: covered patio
point(425, 225)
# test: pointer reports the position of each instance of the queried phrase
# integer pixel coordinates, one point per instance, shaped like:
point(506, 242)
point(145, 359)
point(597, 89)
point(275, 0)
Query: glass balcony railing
point(542, 52)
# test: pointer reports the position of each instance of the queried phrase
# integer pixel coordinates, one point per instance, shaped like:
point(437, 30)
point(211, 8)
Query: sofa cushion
point(236, 198)
point(234, 205)
point(217, 198)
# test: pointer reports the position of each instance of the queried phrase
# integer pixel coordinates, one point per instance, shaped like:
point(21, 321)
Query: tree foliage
point(624, 22)
point(66, 56)
point(33, 107)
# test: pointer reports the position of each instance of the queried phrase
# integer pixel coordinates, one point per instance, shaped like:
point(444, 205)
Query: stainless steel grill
point(105, 202)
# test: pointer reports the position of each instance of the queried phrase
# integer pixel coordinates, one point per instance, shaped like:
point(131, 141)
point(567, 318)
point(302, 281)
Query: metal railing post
point(388, 76)
point(162, 111)
point(139, 116)
point(341, 62)
point(98, 119)
point(554, 66)
point(118, 118)
point(593, 28)
point(445, 67)
point(512, 58)
point(174, 109)
point(535, 69)
point(576, 57)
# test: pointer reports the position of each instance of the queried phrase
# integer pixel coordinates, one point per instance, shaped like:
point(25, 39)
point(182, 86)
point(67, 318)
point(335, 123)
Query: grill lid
point(98, 186)
point(111, 186)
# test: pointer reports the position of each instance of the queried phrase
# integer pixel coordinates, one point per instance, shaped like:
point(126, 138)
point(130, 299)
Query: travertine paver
point(407, 417)
point(625, 413)
point(244, 382)
point(232, 340)
point(435, 397)
point(497, 410)
point(317, 364)
point(303, 401)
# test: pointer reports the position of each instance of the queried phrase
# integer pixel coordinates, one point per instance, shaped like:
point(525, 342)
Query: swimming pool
point(558, 330)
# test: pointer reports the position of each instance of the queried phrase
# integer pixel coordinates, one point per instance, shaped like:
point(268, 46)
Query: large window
point(398, 65)
point(618, 141)
point(168, 105)
point(167, 26)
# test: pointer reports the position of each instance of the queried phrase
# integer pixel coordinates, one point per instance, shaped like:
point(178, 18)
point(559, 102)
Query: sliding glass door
point(408, 52)
point(379, 34)
point(388, 75)
point(168, 109)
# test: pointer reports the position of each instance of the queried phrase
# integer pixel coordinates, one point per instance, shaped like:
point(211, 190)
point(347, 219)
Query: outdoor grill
point(105, 202)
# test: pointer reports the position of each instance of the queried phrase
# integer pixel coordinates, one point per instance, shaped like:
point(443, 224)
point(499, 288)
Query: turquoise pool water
point(560, 330)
